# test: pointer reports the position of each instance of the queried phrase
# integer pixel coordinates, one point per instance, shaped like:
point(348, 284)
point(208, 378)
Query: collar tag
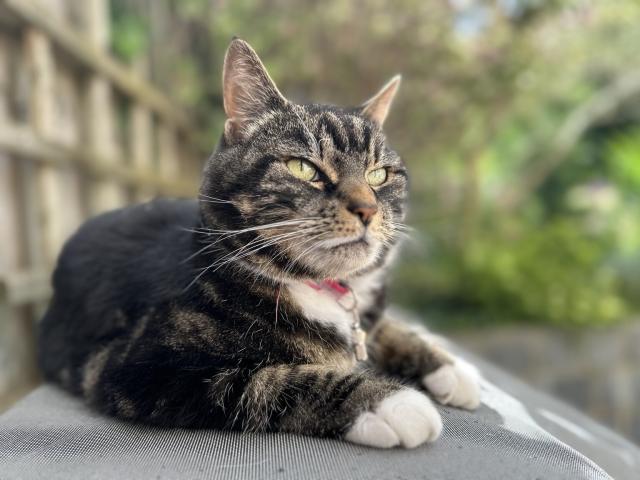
point(344, 296)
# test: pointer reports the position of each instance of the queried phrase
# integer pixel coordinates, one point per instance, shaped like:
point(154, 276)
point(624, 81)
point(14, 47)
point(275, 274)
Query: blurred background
point(519, 120)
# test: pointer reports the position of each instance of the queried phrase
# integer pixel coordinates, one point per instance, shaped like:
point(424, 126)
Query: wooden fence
point(80, 133)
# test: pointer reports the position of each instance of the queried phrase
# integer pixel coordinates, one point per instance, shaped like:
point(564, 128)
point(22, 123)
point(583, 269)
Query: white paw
point(406, 418)
point(457, 384)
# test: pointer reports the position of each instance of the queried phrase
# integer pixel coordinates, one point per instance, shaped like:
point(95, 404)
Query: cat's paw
point(406, 418)
point(456, 384)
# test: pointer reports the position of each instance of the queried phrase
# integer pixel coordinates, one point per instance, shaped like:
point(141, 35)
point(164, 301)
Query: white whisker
point(292, 263)
point(255, 245)
point(226, 236)
point(283, 223)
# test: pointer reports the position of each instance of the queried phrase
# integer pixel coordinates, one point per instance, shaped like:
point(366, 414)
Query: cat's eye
point(377, 177)
point(303, 170)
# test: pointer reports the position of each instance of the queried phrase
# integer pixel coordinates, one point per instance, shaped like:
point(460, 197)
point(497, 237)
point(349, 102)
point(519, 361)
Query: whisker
point(400, 226)
point(260, 243)
point(265, 242)
point(255, 248)
point(283, 223)
point(292, 263)
point(282, 253)
point(220, 239)
point(215, 199)
point(305, 252)
point(206, 198)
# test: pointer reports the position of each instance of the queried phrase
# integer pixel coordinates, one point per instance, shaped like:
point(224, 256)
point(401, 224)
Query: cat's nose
point(364, 211)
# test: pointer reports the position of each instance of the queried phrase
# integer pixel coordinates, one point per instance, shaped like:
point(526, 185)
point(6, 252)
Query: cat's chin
point(340, 258)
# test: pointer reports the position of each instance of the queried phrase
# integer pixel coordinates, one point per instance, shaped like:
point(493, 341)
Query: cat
point(245, 309)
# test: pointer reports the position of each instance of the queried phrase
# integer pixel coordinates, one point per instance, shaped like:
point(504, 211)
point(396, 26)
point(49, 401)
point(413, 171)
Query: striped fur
point(194, 313)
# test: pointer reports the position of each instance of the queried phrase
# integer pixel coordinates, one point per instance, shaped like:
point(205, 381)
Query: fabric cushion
point(52, 435)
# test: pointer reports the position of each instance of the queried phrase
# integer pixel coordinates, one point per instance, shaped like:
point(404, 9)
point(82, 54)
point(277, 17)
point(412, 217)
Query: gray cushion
point(51, 435)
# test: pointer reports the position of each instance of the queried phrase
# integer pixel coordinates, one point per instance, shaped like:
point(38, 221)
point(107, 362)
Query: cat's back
point(116, 267)
point(134, 247)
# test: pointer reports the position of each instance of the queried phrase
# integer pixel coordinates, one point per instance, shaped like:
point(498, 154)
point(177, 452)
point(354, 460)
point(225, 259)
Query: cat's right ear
point(378, 106)
point(248, 91)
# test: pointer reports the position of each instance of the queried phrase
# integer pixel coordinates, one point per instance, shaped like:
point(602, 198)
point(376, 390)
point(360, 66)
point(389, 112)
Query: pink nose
point(364, 211)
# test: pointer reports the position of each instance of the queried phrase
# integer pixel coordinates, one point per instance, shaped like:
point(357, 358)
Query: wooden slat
point(38, 52)
point(140, 135)
point(24, 287)
point(167, 151)
point(68, 108)
point(4, 79)
point(141, 144)
point(43, 120)
point(101, 137)
point(17, 342)
point(12, 248)
point(93, 58)
point(9, 230)
point(68, 132)
point(22, 142)
point(100, 121)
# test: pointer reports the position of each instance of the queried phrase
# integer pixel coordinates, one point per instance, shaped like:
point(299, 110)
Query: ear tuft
point(248, 91)
point(377, 107)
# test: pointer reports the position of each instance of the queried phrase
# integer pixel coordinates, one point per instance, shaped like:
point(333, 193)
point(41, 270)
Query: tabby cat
point(245, 310)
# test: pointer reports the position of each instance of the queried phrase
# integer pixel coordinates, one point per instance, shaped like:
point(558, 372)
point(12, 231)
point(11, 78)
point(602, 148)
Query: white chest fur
point(321, 305)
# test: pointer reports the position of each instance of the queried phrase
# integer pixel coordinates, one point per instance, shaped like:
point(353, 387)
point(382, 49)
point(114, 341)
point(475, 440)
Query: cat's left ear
point(248, 91)
point(378, 106)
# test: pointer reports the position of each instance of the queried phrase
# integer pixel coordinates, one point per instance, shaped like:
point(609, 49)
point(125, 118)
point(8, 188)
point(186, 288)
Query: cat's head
point(300, 191)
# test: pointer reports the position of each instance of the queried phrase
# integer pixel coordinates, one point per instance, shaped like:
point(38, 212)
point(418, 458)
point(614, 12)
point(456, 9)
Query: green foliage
point(623, 156)
point(130, 36)
point(550, 272)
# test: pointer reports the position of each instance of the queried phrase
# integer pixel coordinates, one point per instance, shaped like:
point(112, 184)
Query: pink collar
point(337, 288)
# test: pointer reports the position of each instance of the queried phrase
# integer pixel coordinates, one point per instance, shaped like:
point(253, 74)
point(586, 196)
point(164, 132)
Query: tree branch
point(602, 105)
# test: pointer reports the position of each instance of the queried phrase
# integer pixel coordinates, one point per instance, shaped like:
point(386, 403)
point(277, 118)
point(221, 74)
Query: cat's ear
point(377, 107)
point(248, 91)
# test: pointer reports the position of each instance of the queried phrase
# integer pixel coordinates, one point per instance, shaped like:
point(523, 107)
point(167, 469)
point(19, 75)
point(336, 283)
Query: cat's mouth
point(362, 240)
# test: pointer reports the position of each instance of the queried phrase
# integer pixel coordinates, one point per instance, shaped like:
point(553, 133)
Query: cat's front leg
point(412, 353)
point(321, 401)
point(174, 388)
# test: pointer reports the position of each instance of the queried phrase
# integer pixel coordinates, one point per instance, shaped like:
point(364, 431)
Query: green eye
point(302, 170)
point(377, 177)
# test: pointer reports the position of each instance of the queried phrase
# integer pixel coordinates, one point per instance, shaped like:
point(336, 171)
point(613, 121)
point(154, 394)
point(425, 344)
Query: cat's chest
point(329, 307)
point(322, 306)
